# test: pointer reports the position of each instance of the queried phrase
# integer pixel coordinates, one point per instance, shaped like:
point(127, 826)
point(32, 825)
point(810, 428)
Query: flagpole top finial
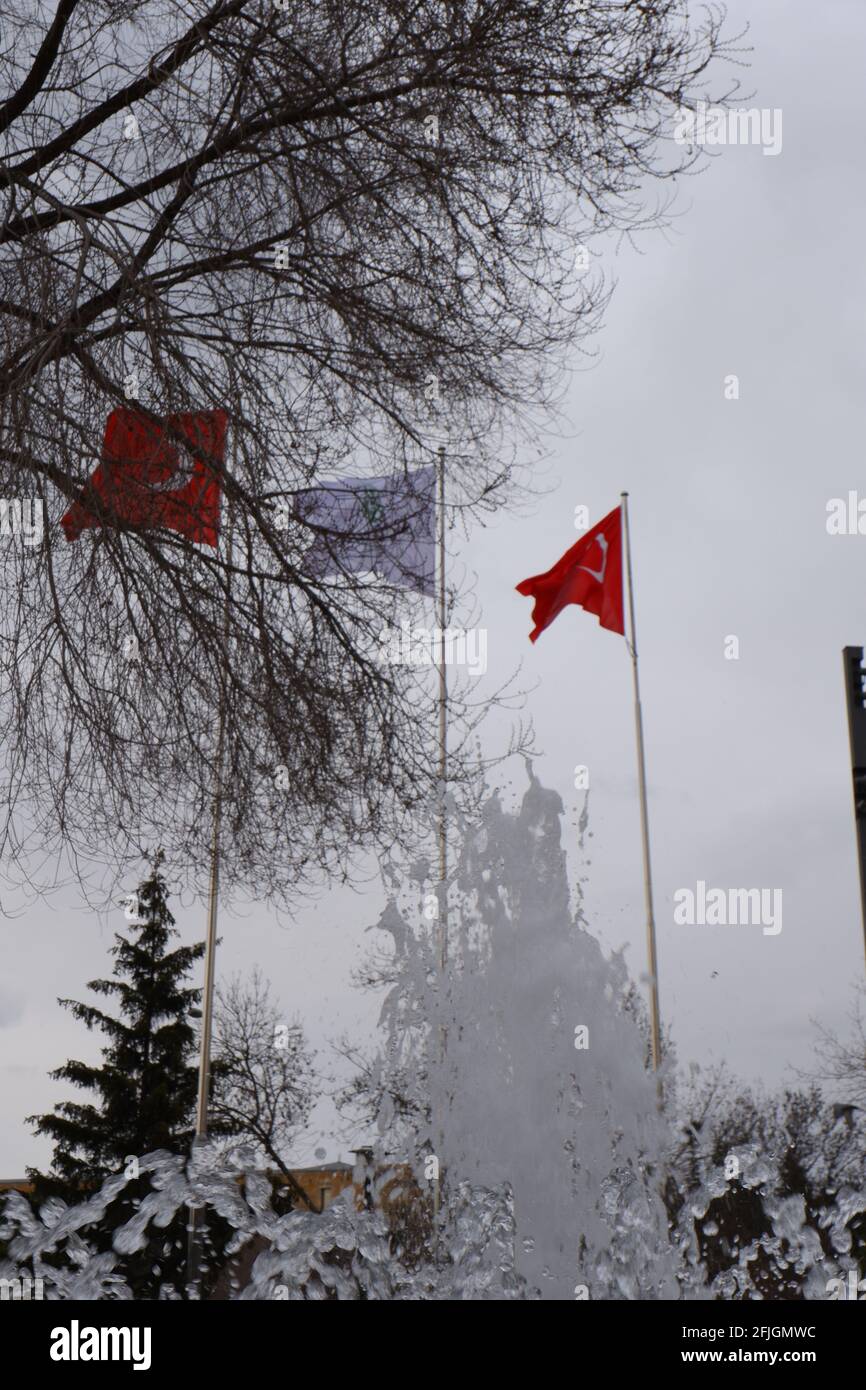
point(623, 494)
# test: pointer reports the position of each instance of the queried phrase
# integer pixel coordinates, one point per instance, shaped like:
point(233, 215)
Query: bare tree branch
point(426, 171)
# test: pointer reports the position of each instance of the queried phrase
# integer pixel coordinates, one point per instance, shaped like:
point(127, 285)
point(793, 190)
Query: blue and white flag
point(386, 525)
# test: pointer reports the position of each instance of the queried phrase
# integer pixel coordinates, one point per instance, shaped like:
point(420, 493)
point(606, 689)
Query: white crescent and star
point(601, 538)
point(179, 477)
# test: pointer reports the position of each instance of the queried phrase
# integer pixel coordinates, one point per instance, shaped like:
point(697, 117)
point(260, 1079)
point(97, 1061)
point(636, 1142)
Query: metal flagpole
point(644, 819)
point(213, 910)
point(210, 949)
point(443, 723)
point(856, 701)
point(442, 917)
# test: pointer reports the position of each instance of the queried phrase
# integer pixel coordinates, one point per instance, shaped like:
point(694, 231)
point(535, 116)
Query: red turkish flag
point(589, 574)
point(146, 480)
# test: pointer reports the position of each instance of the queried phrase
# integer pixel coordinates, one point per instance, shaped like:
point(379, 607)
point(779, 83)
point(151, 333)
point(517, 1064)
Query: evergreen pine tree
point(145, 1086)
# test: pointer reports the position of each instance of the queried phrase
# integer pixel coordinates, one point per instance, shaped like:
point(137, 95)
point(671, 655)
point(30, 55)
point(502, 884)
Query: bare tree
point(842, 1060)
point(353, 227)
point(263, 1076)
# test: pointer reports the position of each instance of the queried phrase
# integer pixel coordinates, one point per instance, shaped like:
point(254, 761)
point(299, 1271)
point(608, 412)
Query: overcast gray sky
point(762, 276)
